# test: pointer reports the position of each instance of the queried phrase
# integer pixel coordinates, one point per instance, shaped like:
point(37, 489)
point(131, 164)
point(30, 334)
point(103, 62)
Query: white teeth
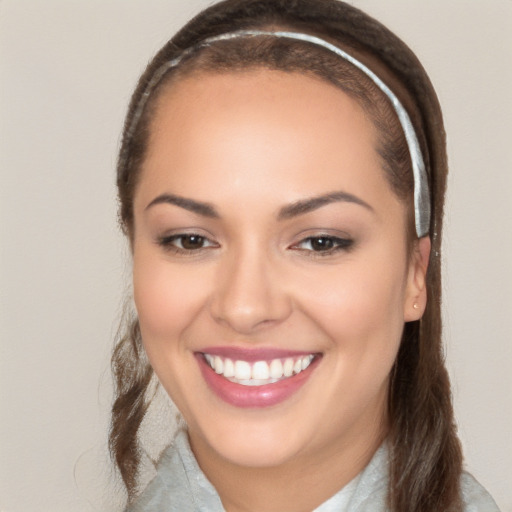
point(260, 370)
point(306, 361)
point(229, 368)
point(288, 367)
point(276, 369)
point(242, 370)
point(218, 365)
point(258, 373)
point(255, 382)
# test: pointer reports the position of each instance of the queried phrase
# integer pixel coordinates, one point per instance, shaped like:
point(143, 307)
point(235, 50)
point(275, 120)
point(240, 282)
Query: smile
point(255, 378)
point(258, 373)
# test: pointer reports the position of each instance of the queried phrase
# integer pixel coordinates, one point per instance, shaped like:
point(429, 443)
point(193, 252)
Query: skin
point(250, 144)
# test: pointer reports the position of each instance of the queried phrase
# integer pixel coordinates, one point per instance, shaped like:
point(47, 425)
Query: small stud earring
point(416, 305)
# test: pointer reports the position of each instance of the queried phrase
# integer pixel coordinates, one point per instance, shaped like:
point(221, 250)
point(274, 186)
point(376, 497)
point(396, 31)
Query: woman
point(281, 182)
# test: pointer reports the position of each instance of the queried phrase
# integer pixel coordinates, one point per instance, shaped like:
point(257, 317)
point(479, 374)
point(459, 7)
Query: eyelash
point(169, 243)
point(333, 245)
point(327, 245)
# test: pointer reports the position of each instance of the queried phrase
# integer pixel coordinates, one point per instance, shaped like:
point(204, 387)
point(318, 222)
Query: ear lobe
point(416, 293)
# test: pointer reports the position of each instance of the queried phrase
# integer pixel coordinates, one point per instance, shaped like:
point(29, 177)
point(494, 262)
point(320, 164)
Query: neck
point(299, 485)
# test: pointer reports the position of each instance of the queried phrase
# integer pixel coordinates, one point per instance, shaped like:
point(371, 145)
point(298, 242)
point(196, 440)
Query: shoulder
point(167, 490)
point(179, 485)
point(475, 497)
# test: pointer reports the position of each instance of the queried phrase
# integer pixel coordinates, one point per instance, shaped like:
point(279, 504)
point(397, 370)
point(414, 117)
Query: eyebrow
point(295, 209)
point(204, 209)
point(304, 206)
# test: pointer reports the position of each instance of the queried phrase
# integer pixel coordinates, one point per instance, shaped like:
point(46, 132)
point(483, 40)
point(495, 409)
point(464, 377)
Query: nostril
point(247, 315)
point(249, 294)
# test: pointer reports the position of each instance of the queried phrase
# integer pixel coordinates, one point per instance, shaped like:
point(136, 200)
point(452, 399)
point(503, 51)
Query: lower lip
point(253, 396)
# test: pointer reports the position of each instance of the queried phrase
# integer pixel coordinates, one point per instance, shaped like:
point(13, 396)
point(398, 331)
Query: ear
point(415, 299)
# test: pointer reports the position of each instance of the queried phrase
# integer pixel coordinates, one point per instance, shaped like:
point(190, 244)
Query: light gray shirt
point(181, 486)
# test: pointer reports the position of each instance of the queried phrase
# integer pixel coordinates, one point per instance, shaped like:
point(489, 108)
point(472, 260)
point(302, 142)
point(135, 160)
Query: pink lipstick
point(255, 378)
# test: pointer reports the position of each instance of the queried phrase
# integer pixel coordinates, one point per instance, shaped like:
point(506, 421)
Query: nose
point(250, 293)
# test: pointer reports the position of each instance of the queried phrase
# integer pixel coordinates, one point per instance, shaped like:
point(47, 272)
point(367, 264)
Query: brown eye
point(323, 244)
point(191, 242)
point(185, 242)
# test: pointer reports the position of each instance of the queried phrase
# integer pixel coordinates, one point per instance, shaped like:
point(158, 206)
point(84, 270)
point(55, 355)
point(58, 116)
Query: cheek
point(167, 300)
point(166, 297)
point(360, 307)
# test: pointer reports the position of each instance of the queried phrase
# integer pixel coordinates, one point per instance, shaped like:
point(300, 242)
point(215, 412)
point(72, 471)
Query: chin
point(249, 444)
point(257, 454)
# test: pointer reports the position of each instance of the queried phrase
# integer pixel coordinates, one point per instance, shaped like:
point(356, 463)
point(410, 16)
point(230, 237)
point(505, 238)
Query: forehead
point(275, 129)
point(220, 92)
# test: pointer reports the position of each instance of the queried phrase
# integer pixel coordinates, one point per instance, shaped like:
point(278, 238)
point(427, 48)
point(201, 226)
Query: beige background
point(66, 72)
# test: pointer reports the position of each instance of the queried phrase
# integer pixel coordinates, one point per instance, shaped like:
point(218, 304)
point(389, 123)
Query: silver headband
point(421, 190)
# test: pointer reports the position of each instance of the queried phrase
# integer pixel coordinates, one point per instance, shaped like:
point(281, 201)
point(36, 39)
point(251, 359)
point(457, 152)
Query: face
point(272, 274)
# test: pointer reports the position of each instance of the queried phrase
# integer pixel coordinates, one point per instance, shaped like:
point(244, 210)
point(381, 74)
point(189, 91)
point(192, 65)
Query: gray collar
point(181, 486)
point(365, 492)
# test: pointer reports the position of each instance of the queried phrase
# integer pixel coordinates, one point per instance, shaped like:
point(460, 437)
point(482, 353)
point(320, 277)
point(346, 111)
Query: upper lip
point(253, 354)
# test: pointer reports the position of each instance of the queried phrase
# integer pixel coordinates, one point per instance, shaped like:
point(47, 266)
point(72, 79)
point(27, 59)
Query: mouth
point(251, 378)
point(258, 373)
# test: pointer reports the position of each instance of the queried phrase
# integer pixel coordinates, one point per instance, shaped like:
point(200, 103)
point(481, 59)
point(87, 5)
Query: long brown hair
point(425, 455)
